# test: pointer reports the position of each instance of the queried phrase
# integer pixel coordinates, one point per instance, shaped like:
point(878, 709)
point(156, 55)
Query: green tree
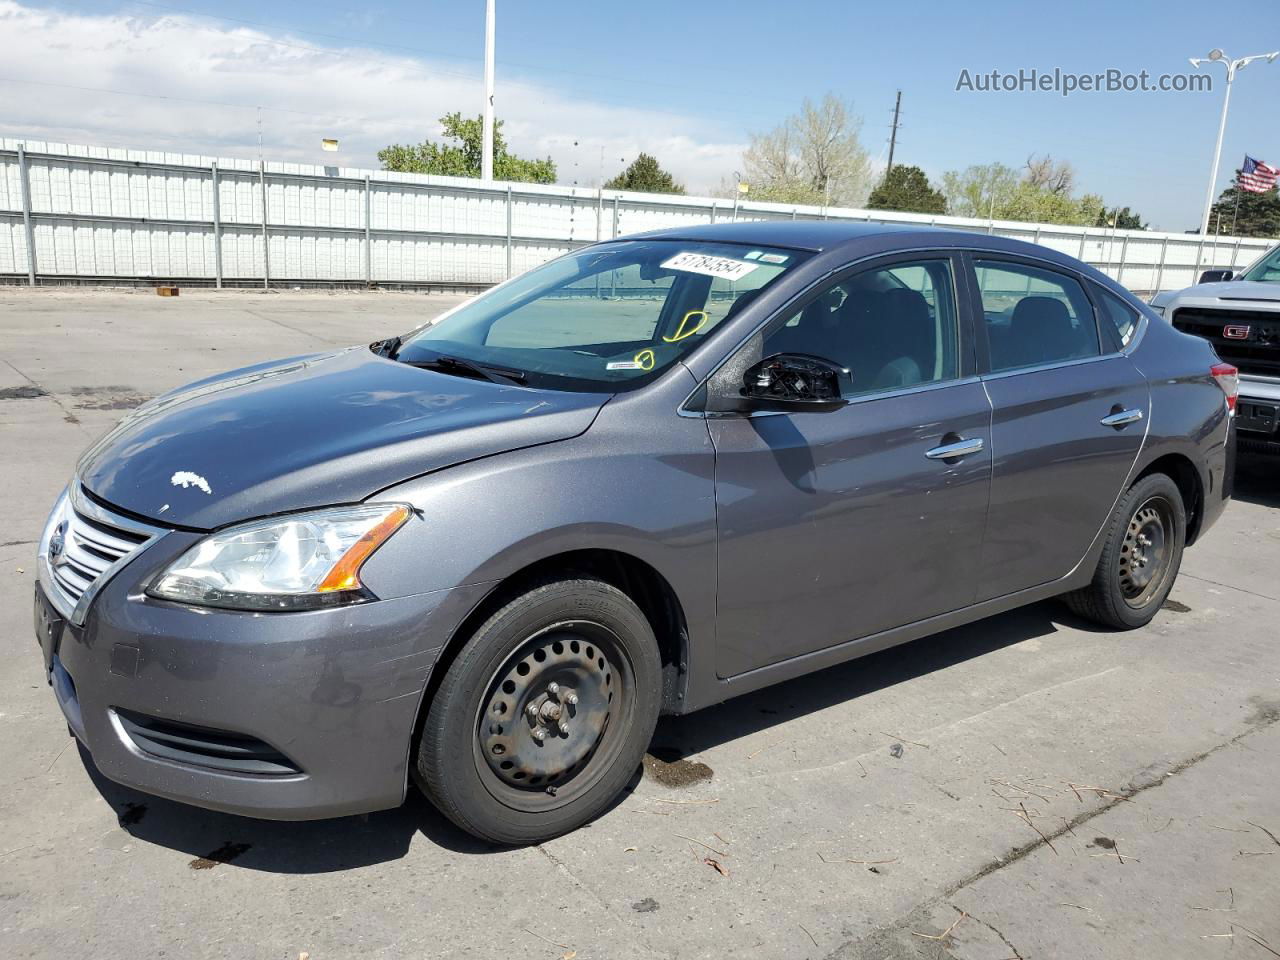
point(979, 190)
point(907, 188)
point(1040, 195)
point(461, 152)
point(1258, 214)
point(1122, 218)
point(645, 175)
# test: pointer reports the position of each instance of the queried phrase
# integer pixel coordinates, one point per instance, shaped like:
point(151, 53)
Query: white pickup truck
point(1240, 316)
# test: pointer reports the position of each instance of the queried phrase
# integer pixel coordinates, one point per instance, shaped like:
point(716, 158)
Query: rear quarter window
point(1117, 316)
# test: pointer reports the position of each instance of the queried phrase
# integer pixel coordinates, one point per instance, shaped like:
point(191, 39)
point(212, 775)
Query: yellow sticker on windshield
point(691, 323)
point(646, 359)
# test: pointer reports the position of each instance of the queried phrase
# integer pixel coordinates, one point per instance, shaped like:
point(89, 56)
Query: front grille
point(82, 545)
point(203, 747)
point(1257, 353)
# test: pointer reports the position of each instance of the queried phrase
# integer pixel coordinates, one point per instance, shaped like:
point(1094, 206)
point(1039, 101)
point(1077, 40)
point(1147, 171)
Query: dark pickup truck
point(1240, 316)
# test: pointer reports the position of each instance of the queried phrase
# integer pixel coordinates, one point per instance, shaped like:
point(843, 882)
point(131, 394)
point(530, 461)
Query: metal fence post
point(368, 233)
point(1084, 233)
point(1164, 254)
point(615, 216)
point(217, 227)
point(713, 211)
point(25, 179)
point(599, 214)
point(1124, 249)
point(266, 246)
point(509, 219)
point(1235, 254)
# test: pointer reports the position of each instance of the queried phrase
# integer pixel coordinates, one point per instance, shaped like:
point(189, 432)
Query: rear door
point(1069, 415)
point(835, 526)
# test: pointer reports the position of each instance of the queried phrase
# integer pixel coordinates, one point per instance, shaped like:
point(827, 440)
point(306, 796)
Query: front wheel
point(1140, 559)
point(544, 715)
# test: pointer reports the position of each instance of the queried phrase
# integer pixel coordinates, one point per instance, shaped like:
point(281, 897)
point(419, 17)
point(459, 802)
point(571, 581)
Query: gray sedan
point(648, 476)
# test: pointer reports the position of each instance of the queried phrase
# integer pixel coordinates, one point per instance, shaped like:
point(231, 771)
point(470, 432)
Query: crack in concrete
point(1228, 586)
point(68, 415)
point(1260, 721)
point(637, 930)
point(1017, 955)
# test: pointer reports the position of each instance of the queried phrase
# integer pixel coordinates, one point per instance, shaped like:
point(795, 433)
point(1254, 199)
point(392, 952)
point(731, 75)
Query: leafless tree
point(1045, 174)
point(813, 157)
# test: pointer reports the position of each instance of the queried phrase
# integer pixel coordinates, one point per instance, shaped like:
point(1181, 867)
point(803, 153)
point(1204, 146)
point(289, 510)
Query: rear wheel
point(1140, 559)
point(544, 715)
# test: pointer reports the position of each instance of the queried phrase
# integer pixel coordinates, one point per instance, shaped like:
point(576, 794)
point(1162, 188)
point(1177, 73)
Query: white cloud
point(215, 76)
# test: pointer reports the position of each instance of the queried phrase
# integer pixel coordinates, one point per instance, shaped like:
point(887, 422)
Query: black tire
point(1140, 559)
point(575, 659)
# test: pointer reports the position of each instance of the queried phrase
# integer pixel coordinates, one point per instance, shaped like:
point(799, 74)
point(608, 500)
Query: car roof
point(823, 236)
point(812, 235)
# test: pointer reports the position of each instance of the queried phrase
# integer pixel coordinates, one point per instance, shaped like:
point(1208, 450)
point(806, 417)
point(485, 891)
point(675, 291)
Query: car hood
point(312, 431)
point(1231, 290)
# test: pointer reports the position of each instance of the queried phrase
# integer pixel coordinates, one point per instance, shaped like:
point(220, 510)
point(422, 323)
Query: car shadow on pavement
point(772, 706)
point(1258, 480)
point(211, 838)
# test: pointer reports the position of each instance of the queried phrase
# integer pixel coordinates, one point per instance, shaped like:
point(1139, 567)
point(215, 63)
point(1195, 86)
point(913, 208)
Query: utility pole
point(486, 159)
point(893, 131)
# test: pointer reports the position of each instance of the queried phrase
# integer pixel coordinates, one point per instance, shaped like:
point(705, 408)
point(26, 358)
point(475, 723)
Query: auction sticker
point(709, 266)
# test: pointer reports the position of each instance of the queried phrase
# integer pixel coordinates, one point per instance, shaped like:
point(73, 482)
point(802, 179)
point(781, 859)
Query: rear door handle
point(1121, 418)
point(961, 448)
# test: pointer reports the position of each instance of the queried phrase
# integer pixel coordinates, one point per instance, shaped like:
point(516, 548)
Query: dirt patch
point(107, 398)
point(224, 854)
point(1175, 606)
point(25, 392)
point(1106, 843)
point(1265, 712)
point(668, 767)
point(647, 905)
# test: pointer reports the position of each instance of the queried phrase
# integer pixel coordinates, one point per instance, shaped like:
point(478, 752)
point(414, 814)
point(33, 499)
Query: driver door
point(839, 525)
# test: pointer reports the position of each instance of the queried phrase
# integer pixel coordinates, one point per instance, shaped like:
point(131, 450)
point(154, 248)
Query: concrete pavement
point(1024, 787)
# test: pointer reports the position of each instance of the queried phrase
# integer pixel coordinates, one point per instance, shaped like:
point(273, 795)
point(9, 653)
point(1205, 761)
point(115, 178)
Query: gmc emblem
point(1236, 332)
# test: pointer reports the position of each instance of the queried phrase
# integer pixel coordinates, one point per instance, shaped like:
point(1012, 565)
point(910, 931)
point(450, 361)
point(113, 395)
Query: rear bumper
point(328, 697)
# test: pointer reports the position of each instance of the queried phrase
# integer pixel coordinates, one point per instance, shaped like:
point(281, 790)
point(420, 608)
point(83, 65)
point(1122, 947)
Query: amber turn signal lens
point(345, 574)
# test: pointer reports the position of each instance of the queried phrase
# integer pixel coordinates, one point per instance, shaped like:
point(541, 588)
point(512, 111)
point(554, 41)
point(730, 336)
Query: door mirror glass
point(1216, 276)
point(794, 382)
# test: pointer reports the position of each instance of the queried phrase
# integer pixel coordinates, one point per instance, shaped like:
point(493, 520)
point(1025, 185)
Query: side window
point(892, 327)
point(1034, 316)
point(1122, 316)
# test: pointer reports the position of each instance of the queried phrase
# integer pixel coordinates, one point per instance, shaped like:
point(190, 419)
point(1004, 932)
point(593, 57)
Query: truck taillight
point(1228, 378)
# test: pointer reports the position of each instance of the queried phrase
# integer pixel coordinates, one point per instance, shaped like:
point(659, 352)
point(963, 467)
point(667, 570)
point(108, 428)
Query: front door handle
point(1121, 418)
point(950, 451)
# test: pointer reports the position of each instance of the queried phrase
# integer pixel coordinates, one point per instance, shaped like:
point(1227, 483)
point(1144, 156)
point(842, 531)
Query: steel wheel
point(546, 727)
point(1145, 554)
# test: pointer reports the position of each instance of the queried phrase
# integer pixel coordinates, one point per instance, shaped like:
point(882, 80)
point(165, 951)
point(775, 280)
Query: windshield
point(1266, 270)
point(610, 317)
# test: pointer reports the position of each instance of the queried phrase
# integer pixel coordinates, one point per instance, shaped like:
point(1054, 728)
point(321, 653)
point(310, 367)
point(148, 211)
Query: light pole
point(486, 137)
point(1217, 56)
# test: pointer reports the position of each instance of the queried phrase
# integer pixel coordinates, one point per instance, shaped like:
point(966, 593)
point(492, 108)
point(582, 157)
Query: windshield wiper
point(485, 371)
point(387, 348)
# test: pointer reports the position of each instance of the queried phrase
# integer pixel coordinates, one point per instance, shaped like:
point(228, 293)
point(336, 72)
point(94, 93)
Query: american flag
point(1256, 176)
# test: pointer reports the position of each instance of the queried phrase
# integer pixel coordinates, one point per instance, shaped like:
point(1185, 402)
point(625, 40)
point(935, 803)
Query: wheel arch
point(639, 580)
point(1182, 470)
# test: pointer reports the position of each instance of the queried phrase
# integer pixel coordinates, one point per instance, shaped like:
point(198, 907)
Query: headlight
point(286, 563)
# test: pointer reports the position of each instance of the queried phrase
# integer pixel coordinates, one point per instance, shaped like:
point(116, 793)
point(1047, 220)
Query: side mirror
point(1216, 276)
point(794, 383)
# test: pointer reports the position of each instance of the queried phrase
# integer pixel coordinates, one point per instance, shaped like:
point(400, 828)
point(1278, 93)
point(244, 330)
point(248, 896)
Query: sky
point(591, 85)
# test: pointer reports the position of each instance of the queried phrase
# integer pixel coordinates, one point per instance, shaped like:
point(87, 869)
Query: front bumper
point(334, 692)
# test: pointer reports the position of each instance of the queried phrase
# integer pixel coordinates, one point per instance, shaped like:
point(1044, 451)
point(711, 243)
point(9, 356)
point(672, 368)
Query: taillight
point(1228, 378)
